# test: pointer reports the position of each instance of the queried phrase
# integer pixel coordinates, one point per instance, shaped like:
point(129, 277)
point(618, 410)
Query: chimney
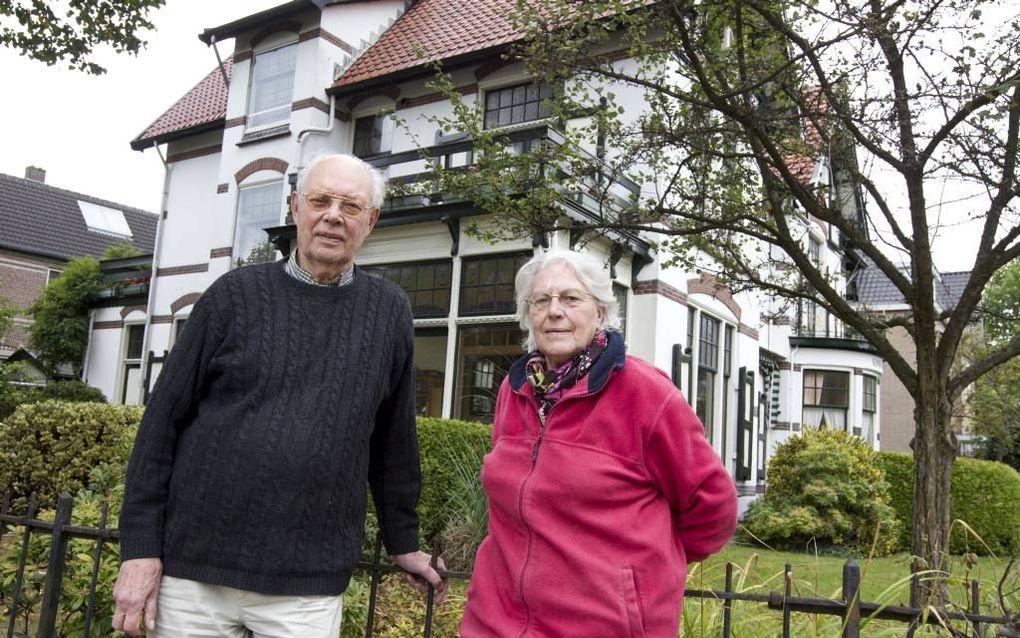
point(35, 174)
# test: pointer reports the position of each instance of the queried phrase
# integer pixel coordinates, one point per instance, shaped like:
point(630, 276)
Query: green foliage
point(985, 497)
point(120, 250)
point(453, 504)
point(44, 31)
point(11, 396)
point(89, 505)
point(1001, 304)
point(60, 328)
point(994, 399)
point(825, 487)
point(51, 447)
point(7, 312)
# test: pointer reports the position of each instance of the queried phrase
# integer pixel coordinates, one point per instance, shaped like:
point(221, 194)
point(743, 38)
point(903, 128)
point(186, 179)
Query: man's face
point(327, 240)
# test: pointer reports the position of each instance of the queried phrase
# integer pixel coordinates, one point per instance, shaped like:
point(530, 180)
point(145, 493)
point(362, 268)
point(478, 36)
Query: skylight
point(104, 220)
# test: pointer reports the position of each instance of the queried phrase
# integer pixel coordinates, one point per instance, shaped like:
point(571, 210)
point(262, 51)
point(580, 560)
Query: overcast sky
point(79, 127)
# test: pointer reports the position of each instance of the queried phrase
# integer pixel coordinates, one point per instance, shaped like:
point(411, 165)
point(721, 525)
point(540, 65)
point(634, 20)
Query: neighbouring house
point(300, 80)
point(882, 300)
point(43, 227)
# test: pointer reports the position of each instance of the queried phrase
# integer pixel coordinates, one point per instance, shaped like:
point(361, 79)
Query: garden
point(830, 499)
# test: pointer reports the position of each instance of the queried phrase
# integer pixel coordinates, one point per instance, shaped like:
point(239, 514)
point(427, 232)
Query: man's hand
point(418, 571)
point(136, 593)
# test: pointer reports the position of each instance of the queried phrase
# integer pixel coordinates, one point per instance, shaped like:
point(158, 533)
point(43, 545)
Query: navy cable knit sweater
point(278, 402)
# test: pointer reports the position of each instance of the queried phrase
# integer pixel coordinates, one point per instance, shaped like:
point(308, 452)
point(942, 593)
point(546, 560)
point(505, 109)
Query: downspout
point(88, 348)
point(219, 60)
point(150, 304)
point(303, 135)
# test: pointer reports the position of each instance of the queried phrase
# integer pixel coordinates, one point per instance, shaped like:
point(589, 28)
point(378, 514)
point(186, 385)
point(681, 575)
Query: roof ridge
point(92, 199)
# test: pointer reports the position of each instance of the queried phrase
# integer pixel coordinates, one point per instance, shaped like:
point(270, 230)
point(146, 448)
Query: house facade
point(303, 79)
point(42, 227)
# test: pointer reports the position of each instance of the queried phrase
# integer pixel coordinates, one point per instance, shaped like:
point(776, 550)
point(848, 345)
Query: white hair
point(378, 194)
point(592, 274)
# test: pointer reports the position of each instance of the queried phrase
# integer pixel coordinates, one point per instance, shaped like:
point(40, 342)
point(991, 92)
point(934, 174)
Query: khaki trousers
point(188, 608)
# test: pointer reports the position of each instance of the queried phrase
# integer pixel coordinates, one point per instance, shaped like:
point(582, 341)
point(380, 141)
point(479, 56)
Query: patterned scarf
point(550, 384)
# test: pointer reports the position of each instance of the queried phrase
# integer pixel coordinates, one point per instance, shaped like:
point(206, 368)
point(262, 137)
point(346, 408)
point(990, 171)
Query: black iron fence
point(850, 608)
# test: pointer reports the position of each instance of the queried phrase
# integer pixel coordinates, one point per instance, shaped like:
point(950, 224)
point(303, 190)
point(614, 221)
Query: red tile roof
point(434, 30)
point(204, 104)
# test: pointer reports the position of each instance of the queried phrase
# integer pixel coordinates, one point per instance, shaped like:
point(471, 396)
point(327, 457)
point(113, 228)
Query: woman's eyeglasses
point(320, 202)
point(568, 299)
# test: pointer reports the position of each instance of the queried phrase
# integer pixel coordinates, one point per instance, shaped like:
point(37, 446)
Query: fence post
point(975, 606)
point(728, 603)
point(787, 588)
point(852, 597)
point(55, 570)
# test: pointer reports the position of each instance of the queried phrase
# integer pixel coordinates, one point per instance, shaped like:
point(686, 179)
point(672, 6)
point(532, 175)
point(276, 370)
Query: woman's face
point(563, 326)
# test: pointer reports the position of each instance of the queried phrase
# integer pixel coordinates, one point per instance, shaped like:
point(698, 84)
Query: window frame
point(128, 362)
point(519, 258)
point(511, 90)
point(284, 107)
point(400, 267)
point(236, 259)
point(384, 122)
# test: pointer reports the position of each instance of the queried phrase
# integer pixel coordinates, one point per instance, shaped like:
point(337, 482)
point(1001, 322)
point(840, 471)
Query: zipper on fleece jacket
point(520, 507)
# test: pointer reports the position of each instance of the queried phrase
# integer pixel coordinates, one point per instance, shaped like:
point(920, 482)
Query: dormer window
point(272, 86)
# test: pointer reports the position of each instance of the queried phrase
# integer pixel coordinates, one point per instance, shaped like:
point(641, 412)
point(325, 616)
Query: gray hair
point(593, 275)
point(378, 193)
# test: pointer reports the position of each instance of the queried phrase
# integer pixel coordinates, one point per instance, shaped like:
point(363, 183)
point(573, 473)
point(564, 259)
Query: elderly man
point(290, 387)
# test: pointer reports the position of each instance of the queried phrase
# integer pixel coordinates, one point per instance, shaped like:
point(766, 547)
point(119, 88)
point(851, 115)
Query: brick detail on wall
point(706, 284)
point(222, 188)
point(786, 425)
point(656, 287)
point(184, 300)
point(22, 282)
point(242, 56)
point(784, 365)
point(430, 98)
point(181, 270)
point(261, 164)
point(162, 319)
point(310, 103)
point(107, 325)
point(319, 32)
point(236, 121)
point(198, 152)
point(216, 253)
point(126, 310)
point(745, 329)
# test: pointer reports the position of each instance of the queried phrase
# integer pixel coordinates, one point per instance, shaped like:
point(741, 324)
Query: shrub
point(11, 395)
point(51, 446)
point(984, 494)
point(451, 461)
point(87, 512)
point(825, 486)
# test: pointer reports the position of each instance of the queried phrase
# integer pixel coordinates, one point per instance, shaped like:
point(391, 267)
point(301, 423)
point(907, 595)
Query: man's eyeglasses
point(320, 202)
point(568, 299)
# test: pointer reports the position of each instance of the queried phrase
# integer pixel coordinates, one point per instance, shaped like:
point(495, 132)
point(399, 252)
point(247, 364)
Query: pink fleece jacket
point(593, 518)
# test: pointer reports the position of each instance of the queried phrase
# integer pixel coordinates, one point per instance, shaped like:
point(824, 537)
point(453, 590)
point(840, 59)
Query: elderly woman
point(601, 484)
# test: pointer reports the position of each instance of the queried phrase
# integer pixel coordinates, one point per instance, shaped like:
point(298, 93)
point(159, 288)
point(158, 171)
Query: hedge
point(11, 396)
point(984, 494)
point(52, 446)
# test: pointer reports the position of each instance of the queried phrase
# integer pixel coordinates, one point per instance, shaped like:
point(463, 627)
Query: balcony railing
point(414, 170)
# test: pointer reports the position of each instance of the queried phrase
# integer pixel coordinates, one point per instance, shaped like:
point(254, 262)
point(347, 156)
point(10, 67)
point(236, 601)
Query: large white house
point(307, 77)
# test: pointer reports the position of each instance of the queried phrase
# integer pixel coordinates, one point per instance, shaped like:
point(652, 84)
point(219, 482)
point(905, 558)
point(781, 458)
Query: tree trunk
point(934, 448)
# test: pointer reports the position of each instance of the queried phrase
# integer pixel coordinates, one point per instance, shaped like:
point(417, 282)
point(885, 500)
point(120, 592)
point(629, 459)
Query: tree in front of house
point(7, 313)
point(738, 100)
point(995, 399)
point(70, 32)
point(59, 331)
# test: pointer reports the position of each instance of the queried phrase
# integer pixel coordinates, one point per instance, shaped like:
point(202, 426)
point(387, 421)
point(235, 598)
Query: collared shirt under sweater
point(277, 404)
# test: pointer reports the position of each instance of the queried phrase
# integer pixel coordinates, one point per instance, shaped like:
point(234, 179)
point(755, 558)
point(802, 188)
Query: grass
point(883, 580)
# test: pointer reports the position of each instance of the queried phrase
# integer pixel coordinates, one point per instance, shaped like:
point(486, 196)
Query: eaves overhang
point(834, 343)
point(142, 143)
point(232, 29)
